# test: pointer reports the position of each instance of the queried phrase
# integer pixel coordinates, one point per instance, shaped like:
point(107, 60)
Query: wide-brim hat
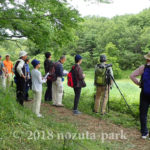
point(147, 56)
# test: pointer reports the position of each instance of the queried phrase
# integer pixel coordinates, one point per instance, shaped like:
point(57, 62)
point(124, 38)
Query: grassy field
point(18, 125)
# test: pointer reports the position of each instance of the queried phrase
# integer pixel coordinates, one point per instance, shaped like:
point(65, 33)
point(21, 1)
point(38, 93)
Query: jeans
point(77, 92)
point(48, 94)
point(144, 105)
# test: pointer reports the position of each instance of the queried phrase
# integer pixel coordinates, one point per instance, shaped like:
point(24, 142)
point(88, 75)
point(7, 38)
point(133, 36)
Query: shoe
point(145, 136)
point(95, 112)
point(76, 112)
point(53, 104)
point(40, 116)
point(103, 114)
point(59, 105)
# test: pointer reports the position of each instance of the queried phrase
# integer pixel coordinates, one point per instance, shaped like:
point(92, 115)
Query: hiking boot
point(144, 136)
point(76, 112)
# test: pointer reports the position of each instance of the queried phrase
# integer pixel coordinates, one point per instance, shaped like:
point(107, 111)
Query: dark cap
point(103, 58)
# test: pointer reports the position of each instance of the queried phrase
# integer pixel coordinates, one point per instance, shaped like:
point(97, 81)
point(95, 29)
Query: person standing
point(9, 70)
point(2, 72)
point(102, 85)
point(144, 72)
point(48, 64)
point(57, 86)
point(79, 83)
point(28, 79)
point(20, 73)
point(37, 82)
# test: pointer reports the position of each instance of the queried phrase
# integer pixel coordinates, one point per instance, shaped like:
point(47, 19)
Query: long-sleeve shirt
point(138, 72)
point(20, 66)
point(37, 80)
point(59, 69)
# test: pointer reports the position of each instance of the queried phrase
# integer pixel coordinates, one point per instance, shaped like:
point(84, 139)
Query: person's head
point(27, 61)
point(36, 63)
point(103, 58)
point(63, 59)
point(78, 59)
point(147, 57)
point(23, 55)
point(48, 55)
point(7, 57)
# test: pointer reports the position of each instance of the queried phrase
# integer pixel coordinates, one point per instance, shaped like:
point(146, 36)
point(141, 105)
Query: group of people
point(54, 74)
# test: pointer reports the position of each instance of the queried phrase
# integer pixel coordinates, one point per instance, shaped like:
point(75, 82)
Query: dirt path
point(103, 129)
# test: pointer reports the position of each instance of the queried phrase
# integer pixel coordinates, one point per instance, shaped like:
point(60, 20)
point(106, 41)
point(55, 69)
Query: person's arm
point(138, 72)
point(80, 73)
point(39, 76)
point(19, 69)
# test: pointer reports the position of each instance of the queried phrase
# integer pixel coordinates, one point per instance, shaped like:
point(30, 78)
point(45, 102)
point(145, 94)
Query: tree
point(44, 22)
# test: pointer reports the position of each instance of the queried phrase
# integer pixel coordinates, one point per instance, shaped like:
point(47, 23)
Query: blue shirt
point(27, 68)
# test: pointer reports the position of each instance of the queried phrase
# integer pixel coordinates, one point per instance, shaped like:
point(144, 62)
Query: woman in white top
point(37, 82)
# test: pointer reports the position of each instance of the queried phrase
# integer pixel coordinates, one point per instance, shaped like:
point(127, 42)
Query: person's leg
point(97, 99)
point(38, 102)
point(104, 100)
point(54, 92)
point(34, 102)
point(144, 105)
point(59, 89)
point(48, 93)
point(77, 92)
point(20, 91)
point(4, 82)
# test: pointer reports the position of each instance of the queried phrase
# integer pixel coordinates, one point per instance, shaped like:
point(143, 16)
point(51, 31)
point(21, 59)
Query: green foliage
point(44, 23)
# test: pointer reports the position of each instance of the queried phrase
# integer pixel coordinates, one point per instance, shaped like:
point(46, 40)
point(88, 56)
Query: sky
point(118, 7)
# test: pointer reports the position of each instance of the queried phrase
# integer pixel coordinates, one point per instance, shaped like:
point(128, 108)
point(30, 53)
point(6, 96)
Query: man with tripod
point(144, 72)
point(103, 83)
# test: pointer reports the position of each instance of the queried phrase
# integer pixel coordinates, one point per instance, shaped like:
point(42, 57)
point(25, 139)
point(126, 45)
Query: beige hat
point(147, 56)
point(22, 53)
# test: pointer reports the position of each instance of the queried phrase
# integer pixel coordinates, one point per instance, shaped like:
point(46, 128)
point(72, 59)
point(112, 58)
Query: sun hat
point(147, 56)
point(22, 53)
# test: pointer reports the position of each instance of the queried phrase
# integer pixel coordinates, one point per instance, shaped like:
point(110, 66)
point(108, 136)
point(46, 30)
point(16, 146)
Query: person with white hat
point(20, 73)
point(144, 83)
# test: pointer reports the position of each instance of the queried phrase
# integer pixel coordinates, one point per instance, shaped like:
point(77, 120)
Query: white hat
point(22, 53)
point(147, 56)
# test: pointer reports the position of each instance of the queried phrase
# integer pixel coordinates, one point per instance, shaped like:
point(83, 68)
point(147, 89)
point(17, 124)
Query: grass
point(19, 120)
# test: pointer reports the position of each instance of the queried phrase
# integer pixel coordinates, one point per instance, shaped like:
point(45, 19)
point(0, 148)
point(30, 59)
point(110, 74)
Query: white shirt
point(37, 80)
point(20, 66)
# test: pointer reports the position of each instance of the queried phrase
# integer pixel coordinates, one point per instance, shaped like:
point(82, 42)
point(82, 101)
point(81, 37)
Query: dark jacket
point(48, 65)
point(79, 76)
point(59, 69)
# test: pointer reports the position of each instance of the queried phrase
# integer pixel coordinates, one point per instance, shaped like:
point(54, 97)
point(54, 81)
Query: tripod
point(109, 77)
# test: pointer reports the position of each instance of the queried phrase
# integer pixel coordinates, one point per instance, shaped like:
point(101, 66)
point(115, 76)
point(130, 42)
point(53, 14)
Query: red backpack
point(72, 77)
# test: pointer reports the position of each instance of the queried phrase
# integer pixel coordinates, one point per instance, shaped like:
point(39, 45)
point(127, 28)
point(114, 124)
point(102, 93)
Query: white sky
point(118, 7)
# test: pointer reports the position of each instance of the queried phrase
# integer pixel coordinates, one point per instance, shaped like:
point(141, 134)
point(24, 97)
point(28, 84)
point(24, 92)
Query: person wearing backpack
point(78, 82)
point(48, 64)
point(57, 84)
point(101, 85)
point(20, 77)
point(144, 83)
point(2, 72)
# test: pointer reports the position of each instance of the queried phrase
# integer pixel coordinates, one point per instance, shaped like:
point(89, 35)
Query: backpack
point(100, 75)
point(145, 80)
point(52, 75)
point(72, 78)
